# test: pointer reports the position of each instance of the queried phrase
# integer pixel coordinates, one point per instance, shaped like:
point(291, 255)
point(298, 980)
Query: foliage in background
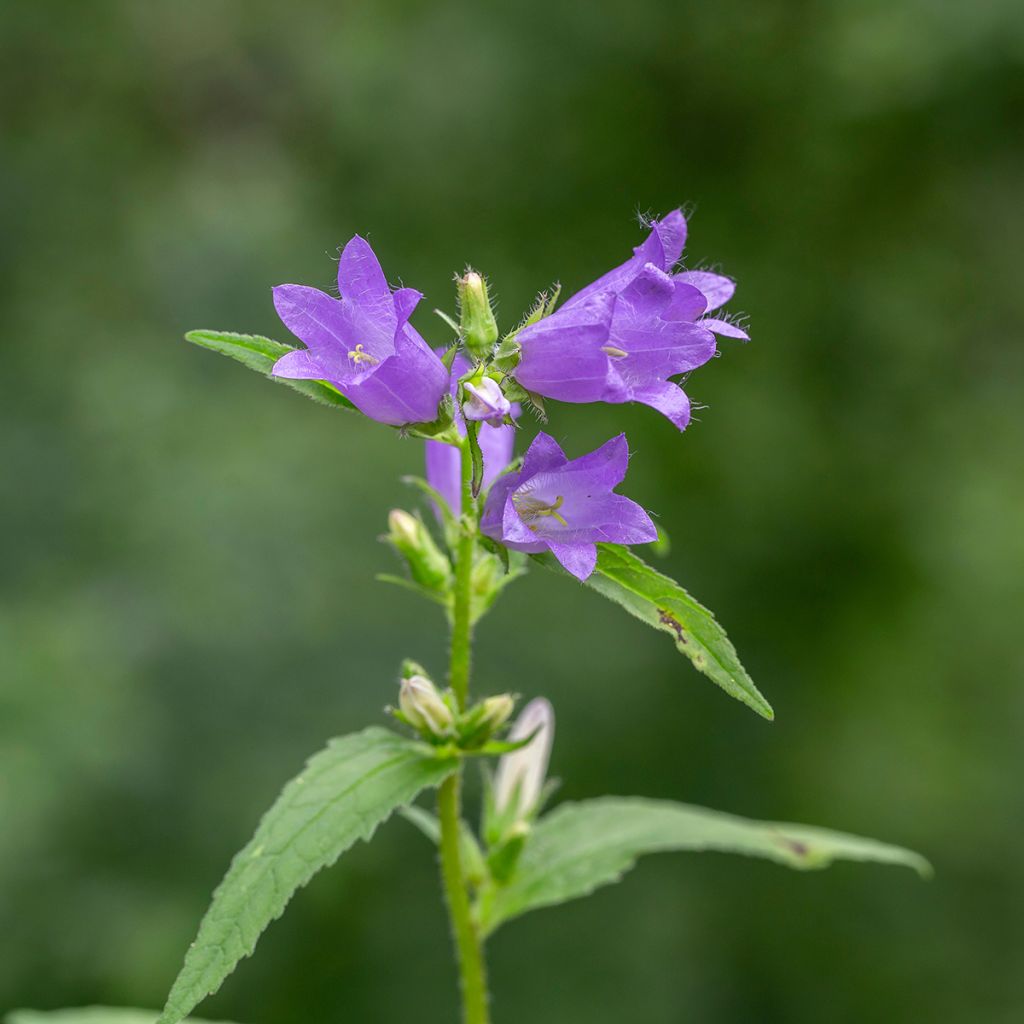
point(169, 587)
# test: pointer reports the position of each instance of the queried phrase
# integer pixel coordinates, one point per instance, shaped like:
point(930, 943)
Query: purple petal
point(331, 328)
point(496, 445)
point(669, 399)
point(494, 507)
point(662, 247)
point(647, 295)
point(299, 365)
point(687, 302)
point(561, 355)
point(724, 328)
point(653, 349)
point(578, 559)
point(444, 472)
point(406, 388)
point(543, 454)
point(361, 279)
point(515, 533)
point(717, 289)
point(603, 468)
point(406, 300)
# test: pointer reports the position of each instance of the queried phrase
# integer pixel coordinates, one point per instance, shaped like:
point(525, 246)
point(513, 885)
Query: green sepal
point(442, 429)
point(504, 858)
point(476, 455)
point(260, 354)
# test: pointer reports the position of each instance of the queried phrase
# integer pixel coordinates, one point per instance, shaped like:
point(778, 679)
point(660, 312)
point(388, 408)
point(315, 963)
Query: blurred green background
point(187, 605)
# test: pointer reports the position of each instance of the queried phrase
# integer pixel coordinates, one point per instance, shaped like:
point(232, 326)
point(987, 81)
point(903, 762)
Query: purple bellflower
point(363, 342)
point(622, 337)
point(566, 507)
point(496, 439)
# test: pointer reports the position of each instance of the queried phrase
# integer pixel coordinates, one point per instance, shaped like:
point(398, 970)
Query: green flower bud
point(477, 324)
point(428, 564)
point(424, 708)
point(496, 711)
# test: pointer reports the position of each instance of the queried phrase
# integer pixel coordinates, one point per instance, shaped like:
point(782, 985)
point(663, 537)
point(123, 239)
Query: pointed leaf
point(260, 354)
point(343, 794)
point(582, 846)
point(652, 597)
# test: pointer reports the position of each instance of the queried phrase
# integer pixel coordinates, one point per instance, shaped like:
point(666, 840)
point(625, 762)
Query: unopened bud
point(496, 711)
point(477, 324)
point(519, 779)
point(504, 858)
point(486, 402)
point(428, 564)
point(423, 706)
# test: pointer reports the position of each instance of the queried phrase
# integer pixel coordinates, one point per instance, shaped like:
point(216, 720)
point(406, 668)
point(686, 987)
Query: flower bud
point(519, 780)
point(486, 402)
point(477, 323)
point(428, 564)
point(423, 706)
point(496, 711)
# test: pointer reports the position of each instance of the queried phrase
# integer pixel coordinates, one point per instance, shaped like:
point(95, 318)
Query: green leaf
point(88, 1015)
point(629, 581)
point(582, 846)
point(343, 794)
point(260, 354)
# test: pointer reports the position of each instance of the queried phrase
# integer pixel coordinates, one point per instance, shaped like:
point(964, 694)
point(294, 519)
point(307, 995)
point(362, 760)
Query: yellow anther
point(530, 508)
point(357, 355)
point(611, 350)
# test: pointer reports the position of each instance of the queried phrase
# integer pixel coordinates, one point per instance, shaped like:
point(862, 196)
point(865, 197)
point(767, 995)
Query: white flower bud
point(403, 527)
point(521, 774)
point(423, 706)
point(486, 402)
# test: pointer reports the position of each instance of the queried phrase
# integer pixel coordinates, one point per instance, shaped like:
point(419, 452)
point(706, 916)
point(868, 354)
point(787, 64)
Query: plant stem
point(466, 933)
point(462, 628)
point(472, 968)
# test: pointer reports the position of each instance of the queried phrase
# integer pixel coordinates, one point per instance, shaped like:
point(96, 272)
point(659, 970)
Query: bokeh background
point(187, 605)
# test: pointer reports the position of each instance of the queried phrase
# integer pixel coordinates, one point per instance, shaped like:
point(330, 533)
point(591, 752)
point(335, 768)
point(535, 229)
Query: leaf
point(88, 1015)
point(653, 598)
point(476, 456)
point(342, 795)
point(582, 846)
point(260, 354)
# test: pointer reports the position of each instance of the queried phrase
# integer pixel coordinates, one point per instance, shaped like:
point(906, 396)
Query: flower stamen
point(357, 355)
point(532, 508)
point(611, 350)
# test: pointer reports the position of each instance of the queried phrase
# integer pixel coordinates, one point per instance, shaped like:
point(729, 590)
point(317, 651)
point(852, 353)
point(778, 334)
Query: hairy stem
point(465, 931)
point(468, 943)
point(462, 629)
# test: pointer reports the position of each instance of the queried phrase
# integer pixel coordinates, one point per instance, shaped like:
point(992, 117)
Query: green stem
point(468, 943)
point(462, 628)
point(465, 931)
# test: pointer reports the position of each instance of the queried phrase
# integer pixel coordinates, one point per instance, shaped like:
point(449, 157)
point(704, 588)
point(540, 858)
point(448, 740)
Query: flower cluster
point(622, 338)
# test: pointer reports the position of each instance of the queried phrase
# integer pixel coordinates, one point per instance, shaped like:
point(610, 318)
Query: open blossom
point(444, 462)
point(622, 337)
point(566, 507)
point(363, 342)
point(519, 779)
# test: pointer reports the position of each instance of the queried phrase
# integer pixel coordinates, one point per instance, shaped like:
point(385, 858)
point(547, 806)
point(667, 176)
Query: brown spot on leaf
point(668, 619)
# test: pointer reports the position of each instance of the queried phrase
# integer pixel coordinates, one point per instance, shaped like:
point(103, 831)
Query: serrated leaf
point(582, 846)
point(652, 597)
point(90, 1015)
point(342, 795)
point(260, 354)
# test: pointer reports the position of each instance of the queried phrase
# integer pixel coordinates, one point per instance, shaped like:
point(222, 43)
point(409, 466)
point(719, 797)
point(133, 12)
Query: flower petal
point(299, 365)
point(578, 559)
point(561, 354)
point(669, 399)
point(724, 328)
point(655, 349)
point(444, 472)
point(717, 289)
point(494, 507)
point(670, 233)
point(331, 328)
point(688, 302)
point(361, 279)
point(543, 454)
point(647, 295)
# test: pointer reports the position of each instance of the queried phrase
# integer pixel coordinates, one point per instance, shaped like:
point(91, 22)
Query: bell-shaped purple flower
point(496, 439)
point(622, 337)
point(566, 506)
point(363, 342)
